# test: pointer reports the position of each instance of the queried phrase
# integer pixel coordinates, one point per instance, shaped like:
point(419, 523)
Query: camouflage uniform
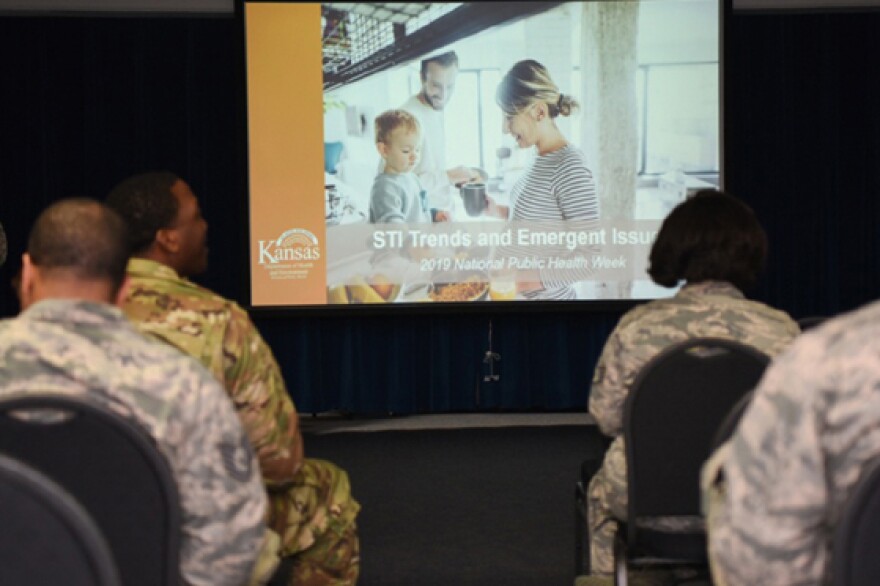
point(714, 309)
point(313, 510)
point(90, 349)
point(789, 469)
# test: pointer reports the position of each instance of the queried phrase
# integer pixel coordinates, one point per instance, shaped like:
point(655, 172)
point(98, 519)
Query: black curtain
point(802, 131)
point(90, 100)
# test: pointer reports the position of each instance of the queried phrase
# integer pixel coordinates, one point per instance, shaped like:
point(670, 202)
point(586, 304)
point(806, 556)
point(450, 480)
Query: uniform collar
point(722, 288)
point(73, 310)
point(142, 267)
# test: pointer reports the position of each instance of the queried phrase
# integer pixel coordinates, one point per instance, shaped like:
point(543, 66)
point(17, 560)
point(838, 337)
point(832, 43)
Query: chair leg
point(621, 574)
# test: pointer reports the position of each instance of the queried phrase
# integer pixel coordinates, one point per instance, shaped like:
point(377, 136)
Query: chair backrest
point(855, 561)
point(112, 467)
point(806, 323)
point(671, 415)
point(46, 537)
point(730, 422)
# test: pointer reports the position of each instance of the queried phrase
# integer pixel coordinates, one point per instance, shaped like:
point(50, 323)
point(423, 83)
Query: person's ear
point(168, 239)
point(383, 149)
point(540, 111)
point(123, 291)
point(28, 280)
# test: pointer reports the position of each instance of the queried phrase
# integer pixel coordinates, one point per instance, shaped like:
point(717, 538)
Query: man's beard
point(432, 102)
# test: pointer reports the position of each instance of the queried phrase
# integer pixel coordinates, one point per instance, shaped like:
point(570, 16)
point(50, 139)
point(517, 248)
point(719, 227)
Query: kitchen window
point(676, 130)
point(673, 133)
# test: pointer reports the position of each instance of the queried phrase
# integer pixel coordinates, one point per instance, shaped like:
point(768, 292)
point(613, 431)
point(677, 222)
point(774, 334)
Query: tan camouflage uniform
point(90, 349)
point(313, 510)
point(790, 467)
point(714, 309)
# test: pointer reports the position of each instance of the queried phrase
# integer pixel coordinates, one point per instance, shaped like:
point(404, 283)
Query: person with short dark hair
point(81, 242)
point(712, 243)
point(71, 338)
point(310, 501)
point(438, 75)
point(446, 60)
point(171, 227)
point(712, 238)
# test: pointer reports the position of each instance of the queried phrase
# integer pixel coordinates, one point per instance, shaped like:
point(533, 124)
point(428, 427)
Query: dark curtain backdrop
point(89, 100)
point(802, 129)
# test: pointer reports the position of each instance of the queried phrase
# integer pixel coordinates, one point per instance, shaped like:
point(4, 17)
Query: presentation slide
point(469, 152)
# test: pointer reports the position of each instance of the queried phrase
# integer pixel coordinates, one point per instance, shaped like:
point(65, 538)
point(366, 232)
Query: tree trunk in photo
point(610, 134)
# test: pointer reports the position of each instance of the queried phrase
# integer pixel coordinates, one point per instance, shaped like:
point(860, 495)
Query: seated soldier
point(71, 338)
point(311, 506)
point(777, 490)
point(713, 243)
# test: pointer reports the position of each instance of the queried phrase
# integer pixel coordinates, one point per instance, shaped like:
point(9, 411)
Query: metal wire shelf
point(353, 33)
point(361, 39)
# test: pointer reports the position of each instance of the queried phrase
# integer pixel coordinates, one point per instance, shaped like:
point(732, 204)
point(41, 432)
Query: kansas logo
point(294, 244)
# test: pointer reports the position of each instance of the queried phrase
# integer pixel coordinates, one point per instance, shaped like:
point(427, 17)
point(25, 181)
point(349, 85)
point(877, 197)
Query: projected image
point(522, 157)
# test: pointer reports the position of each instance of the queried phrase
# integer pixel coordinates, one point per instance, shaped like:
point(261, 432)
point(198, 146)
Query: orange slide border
point(286, 158)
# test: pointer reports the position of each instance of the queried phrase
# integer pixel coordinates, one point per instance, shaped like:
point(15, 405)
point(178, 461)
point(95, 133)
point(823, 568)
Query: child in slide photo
point(397, 196)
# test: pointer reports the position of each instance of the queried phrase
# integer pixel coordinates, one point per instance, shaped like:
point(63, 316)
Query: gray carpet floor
point(460, 500)
point(333, 423)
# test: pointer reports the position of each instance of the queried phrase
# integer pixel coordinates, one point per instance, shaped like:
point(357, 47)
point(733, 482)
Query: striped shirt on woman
point(557, 189)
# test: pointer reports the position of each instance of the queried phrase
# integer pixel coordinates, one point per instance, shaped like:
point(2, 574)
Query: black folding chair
point(671, 420)
point(112, 468)
point(810, 322)
point(730, 422)
point(46, 536)
point(855, 561)
point(672, 414)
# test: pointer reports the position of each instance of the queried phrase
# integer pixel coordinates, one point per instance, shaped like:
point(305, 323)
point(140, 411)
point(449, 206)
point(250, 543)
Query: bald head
point(79, 241)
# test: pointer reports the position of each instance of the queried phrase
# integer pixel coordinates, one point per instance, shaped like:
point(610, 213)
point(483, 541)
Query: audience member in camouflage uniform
point(715, 244)
point(791, 465)
point(311, 504)
point(71, 339)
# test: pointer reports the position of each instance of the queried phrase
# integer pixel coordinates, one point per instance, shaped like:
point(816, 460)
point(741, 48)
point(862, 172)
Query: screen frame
point(434, 308)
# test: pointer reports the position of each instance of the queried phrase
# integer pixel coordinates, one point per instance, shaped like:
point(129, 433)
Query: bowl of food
point(415, 292)
point(447, 288)
point(387, 290)
point(373, 289)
